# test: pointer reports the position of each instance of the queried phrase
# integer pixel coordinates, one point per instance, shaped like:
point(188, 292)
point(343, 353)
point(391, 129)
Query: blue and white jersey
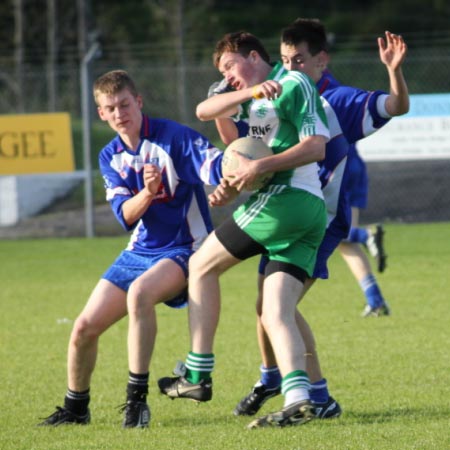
point(178, 215)
point(352, 114)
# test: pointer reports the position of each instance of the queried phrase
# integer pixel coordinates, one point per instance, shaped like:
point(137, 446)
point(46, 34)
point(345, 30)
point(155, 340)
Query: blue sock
point(359, 235)
point(371, 291)
point(270, 376)
point(319, 391)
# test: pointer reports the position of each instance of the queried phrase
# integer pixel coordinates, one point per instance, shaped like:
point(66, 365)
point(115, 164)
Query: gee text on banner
point(36, 143)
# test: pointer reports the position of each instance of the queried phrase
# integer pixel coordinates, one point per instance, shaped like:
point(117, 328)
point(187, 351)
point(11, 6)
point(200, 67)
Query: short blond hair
point(113, 82)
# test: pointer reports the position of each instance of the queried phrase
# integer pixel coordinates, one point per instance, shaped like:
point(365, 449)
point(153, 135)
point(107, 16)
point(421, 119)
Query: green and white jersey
point(286, 121)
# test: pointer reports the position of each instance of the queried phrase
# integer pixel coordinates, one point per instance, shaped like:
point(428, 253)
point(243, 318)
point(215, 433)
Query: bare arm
point(226, 105)
point(311, 149)
point(392, 54)
point(223, 194)
point(134, 208)
point(227, 130)
point(221, 106)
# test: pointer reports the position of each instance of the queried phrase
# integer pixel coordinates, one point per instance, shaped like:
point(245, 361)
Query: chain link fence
point(402, 191)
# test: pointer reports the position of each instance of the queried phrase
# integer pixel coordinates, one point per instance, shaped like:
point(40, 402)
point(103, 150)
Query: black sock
point(137, 388)
point(77, 402)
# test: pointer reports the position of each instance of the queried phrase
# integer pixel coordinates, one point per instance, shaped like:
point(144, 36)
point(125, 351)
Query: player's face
point(239, 71)
point(299, 58)
point(122, 111)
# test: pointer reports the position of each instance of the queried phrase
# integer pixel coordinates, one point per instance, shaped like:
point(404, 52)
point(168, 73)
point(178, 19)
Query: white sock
point(295, 395)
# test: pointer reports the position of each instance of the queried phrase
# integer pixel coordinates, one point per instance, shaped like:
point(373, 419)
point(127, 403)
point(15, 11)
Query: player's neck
point(131, 142)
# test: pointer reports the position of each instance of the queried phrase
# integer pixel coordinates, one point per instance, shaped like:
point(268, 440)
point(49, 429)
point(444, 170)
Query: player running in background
point(352, 114)
point(154, 171)
point(371, 237)
point(284, 110)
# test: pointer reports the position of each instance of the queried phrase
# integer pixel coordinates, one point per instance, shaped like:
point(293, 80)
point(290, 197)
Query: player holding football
point(352, 114)
point(284, 110)
point(154, 171)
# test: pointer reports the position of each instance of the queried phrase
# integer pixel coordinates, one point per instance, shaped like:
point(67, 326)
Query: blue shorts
point(326, 249)
point(358, 181)
point(130, 265)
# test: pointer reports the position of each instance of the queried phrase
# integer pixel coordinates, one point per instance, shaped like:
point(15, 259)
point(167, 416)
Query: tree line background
point(32, 29)
point(46, 39)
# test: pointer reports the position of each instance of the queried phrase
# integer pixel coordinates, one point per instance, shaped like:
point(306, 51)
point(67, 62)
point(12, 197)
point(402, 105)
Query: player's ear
point(254, 55)
point(323, 59)
point(100, 113)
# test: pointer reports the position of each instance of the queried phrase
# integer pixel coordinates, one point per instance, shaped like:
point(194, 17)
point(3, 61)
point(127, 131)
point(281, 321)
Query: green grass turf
point(390, 375)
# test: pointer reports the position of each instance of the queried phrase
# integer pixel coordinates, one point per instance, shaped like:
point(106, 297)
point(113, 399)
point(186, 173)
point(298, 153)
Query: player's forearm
point(223, 105)
point(227, 130)
point(134, 208)
point(310, 150)
point(397, 102)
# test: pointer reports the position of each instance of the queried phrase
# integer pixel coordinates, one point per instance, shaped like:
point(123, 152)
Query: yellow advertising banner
point(36, 143)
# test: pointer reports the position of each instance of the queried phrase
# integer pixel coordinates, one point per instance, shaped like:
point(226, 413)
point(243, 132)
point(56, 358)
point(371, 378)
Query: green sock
point(298, 379)
point(199, 367)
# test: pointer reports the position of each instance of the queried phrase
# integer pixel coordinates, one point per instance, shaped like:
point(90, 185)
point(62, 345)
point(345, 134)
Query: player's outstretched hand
point(223, 194)
point(392, 50)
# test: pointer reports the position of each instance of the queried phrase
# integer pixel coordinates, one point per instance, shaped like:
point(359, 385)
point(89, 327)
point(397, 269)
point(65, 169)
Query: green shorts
point(290, 223)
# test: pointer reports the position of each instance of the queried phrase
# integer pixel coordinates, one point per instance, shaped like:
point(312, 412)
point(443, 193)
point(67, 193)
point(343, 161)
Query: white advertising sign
point(423, 133)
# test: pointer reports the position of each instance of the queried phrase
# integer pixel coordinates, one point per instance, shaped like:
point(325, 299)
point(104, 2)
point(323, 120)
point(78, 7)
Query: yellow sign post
point(36, 143)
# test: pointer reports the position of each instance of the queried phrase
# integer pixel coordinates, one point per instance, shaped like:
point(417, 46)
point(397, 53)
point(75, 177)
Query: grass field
point(390, 375)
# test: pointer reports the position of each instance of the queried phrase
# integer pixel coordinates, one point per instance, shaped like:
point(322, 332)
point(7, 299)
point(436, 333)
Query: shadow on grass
point(388, 415)
point(384, 416)
point(212, 420)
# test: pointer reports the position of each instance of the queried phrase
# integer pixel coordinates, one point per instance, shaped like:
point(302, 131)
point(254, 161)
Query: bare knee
point(270, 321)
point(199, 264)
point(139, 299)
point(209, 260)
point(84, 332)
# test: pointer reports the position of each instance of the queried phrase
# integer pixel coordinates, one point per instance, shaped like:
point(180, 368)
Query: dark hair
point(114, 82)
point(311, 31)
point(239, 42)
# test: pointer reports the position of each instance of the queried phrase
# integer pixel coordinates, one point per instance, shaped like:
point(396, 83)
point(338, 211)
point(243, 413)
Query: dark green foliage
point(122, 25)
